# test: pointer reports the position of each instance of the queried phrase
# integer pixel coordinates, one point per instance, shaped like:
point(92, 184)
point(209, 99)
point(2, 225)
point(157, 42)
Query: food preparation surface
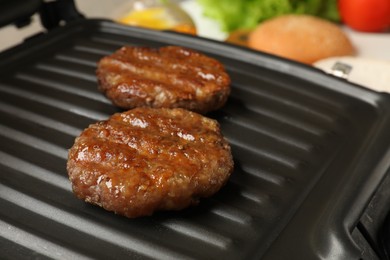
point(304, 145)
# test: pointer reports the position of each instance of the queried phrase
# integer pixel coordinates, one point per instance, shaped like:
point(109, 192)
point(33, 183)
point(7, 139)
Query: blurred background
point(218, 19)
point(365, 24)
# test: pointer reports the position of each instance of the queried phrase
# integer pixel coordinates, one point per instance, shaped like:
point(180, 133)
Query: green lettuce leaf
point(246, 14)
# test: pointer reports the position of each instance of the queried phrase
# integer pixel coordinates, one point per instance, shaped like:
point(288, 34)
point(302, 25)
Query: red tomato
point(365, 15)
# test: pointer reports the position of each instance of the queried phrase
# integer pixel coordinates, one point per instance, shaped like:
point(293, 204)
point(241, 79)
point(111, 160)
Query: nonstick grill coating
point(303, 143)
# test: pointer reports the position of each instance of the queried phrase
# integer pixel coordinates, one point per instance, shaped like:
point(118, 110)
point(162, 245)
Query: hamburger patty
point(167, 77)
point(146, 159)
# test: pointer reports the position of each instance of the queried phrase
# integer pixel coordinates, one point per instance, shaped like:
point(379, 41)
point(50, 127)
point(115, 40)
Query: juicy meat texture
point(145, 159)
point(168, 77)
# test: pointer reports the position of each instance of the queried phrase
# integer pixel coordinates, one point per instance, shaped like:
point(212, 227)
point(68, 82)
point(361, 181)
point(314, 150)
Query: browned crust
point(167, 77)
point(147, 159)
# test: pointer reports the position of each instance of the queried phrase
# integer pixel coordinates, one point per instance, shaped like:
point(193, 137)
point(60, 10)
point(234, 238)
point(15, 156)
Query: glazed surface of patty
point(167, 77)
point(145, 160)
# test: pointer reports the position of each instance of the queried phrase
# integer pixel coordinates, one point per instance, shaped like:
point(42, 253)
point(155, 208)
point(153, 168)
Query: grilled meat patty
point(146, 159)
point(167, 77)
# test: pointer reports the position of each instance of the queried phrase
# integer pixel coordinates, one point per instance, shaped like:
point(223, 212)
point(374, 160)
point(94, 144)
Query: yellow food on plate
point(157, 18)
point(302, 38)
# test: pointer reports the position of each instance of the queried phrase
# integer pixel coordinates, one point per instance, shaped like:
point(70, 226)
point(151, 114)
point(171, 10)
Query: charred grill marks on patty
point(144, 160)
point(167, 77)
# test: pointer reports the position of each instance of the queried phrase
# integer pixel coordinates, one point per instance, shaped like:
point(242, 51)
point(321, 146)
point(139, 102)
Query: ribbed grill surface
point(282, 130)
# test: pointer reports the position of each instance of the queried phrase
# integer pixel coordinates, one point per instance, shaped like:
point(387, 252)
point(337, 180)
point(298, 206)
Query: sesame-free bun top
point(301, 38)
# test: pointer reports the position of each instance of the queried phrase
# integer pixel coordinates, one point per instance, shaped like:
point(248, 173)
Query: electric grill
point(311, 153)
